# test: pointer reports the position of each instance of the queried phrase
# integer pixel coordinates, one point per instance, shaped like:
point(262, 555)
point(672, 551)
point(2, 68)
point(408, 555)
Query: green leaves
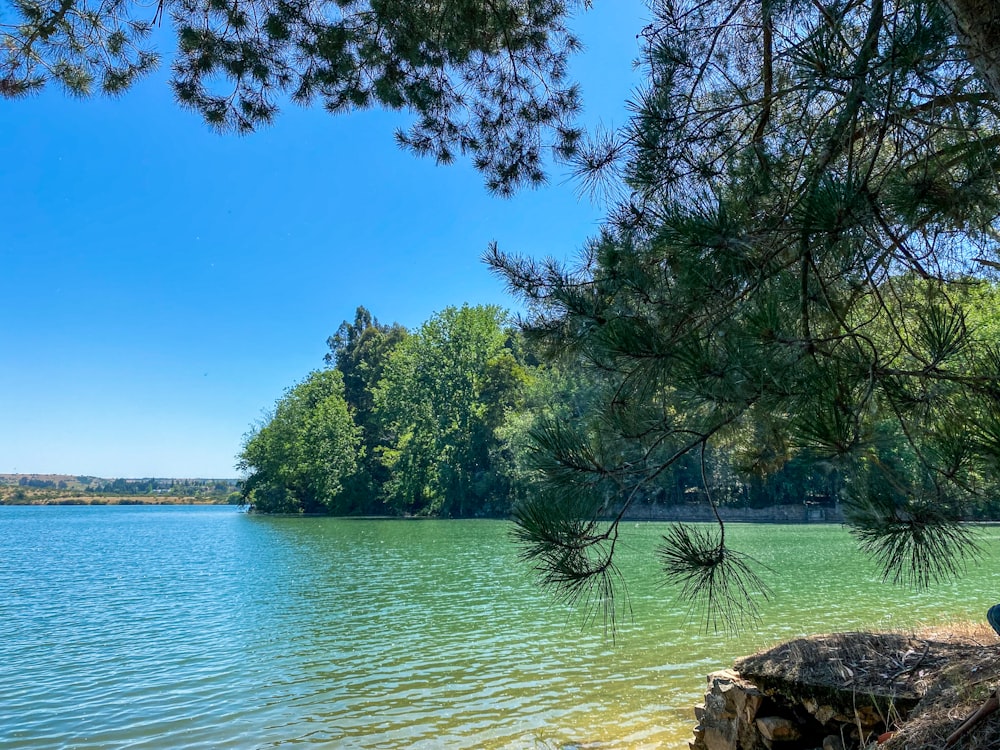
point(299, 460)
point(445, 393)
point(417, 423)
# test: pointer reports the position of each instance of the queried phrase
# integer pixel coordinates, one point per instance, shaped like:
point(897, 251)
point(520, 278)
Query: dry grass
point(957, 690)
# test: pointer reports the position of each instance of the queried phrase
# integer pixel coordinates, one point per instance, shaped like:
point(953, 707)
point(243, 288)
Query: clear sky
point(161, 285)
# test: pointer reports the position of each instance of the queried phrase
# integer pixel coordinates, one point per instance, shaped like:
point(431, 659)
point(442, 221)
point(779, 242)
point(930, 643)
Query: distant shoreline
point(113, 500)
point(68, 489)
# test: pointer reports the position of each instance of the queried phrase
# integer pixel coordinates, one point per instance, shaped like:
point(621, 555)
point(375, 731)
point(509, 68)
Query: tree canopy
point(447, 391)
point(299, 460)
point(360, 351)
point(446, 421)
point(485, 78)
point(403, 423)
point(795, 268)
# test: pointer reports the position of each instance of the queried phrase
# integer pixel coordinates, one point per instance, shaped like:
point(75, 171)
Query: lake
point(202, 627)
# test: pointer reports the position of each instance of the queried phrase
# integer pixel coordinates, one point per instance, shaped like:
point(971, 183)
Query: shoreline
point(103, 500)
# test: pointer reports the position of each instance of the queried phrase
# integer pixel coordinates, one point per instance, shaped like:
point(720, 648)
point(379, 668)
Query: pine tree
point(808, 220)
point(485, 79)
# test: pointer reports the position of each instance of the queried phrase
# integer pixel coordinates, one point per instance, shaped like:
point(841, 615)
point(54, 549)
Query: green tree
point(299, 460)
point(360, 351)
point(812, 193)
point(446, 391)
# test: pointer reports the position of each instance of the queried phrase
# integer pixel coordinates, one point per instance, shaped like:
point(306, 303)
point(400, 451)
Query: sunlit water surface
point(167, 627)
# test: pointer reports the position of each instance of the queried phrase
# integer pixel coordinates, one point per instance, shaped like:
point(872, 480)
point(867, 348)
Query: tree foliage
point(299, 460)
point(446, 393)
point(360, 351)
point(485, 79)
point(810, 211)
point(404, 423)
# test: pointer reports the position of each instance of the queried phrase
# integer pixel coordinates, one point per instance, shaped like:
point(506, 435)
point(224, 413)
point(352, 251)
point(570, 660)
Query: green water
point(201, 627)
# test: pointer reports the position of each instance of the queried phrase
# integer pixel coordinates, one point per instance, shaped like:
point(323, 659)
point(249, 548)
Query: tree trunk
point(977, 23)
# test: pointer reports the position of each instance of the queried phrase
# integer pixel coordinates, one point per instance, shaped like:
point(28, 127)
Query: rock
point(726, 720)
point(778, 729)
point(825, 714)
point(833, 687)
point(720, 737)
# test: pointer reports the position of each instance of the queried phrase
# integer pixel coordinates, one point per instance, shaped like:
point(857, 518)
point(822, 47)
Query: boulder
point(726, 721)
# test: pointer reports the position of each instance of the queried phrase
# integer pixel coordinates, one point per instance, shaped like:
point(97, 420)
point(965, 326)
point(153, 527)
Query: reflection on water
point(176, 627)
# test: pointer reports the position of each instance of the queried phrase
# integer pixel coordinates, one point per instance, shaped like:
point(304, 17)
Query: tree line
point(146, 486)
point(462, 417)
point(399, 422)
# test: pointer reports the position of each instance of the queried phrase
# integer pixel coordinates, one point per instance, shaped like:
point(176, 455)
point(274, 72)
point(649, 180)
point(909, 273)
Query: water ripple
point(138, 627)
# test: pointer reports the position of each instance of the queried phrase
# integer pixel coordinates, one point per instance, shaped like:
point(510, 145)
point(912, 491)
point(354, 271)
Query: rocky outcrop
point(739, 715)
point(839, 692)
point(727, 719)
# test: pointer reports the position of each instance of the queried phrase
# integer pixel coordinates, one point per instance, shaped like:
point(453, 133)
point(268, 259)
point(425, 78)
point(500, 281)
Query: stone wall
point(800, 513)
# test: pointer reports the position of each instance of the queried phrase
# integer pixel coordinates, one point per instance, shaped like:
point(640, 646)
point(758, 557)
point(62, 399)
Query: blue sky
point(162, 285)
